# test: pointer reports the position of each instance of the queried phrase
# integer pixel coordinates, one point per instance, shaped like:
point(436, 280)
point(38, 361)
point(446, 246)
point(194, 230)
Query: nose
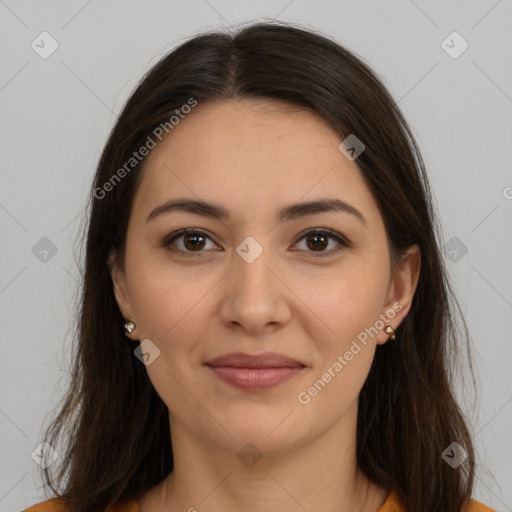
point(255, 296)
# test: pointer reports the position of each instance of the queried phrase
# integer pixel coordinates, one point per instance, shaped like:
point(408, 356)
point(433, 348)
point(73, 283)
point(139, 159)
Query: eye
point(193, 241)
point(318, 239)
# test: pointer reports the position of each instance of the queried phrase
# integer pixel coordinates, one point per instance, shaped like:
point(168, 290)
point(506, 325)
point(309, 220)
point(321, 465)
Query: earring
point(391, 331)
point(129, 326)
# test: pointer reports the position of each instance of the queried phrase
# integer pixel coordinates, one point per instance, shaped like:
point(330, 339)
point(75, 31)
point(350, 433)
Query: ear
point(402, 287)
point(121, 292)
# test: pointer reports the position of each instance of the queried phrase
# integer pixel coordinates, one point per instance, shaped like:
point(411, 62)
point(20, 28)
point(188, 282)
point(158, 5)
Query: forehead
point(253, 156)
point(265, 130)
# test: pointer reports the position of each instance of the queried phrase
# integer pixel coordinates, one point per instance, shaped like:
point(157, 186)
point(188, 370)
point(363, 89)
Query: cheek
point(170, 305)
point(349, 303)
point(350, 307)
point(347, 300)
point(163, 303)
point(155, 307)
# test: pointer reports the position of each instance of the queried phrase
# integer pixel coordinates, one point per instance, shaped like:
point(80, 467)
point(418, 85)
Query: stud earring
point(129, 326)
point(391, 331)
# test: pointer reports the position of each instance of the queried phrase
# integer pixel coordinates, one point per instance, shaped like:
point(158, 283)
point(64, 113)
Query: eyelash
point(344, 243)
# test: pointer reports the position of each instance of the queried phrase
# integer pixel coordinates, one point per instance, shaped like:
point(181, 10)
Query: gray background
point(56, 114)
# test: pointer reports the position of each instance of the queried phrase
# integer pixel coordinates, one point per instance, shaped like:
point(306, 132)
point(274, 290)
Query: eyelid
point(324, 231)
point(169, 239)
point(343, 242)
point(341, 239)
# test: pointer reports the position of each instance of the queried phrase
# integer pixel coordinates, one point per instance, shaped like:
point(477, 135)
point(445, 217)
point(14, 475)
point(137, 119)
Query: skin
point(254, 157)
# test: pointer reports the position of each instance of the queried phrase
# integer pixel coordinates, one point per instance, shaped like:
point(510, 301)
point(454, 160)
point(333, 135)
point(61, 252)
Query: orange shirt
point(392, 504)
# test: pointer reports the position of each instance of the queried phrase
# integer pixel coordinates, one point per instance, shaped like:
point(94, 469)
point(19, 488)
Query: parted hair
point(114, 427)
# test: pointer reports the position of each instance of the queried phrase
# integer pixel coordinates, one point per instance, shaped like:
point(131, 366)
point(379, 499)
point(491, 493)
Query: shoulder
point(58, 505)
point(52, 505)
point(476, 506)
point(394, 503)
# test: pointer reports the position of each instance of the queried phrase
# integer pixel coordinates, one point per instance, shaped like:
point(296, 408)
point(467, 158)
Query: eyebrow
point(293, 211)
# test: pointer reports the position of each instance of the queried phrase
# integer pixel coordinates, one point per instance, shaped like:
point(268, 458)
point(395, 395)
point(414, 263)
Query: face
point(255, 282)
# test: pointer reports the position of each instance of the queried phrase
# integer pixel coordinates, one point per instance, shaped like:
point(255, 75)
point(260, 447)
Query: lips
point(254, 373)
point(268, 360)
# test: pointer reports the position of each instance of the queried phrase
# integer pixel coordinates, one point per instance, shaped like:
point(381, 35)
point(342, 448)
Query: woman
point(262, 229)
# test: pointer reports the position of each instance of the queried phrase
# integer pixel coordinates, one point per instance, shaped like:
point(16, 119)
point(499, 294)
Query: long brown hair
point(118, 438)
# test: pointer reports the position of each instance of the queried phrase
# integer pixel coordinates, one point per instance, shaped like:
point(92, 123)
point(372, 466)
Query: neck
point(320, 475)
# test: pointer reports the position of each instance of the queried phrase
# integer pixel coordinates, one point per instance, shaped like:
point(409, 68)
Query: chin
point(268, 432)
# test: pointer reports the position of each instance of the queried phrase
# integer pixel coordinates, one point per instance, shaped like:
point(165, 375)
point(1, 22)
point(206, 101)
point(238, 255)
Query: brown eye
point(193, 242)
point(188, 241)
point(317, 241)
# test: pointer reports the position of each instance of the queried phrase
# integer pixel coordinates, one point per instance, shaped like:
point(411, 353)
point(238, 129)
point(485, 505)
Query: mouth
point(255, 373)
